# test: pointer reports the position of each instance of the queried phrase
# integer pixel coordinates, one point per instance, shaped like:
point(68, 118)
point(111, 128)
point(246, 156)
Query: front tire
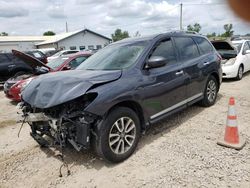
point(211, 91)
point(118, 135)
point(240, 73)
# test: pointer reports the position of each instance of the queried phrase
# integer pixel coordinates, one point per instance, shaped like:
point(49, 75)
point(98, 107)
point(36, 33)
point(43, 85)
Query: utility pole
point(181, 17)
point(66, 27)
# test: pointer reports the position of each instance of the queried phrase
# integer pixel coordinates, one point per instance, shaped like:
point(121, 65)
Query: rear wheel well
point(133, 106)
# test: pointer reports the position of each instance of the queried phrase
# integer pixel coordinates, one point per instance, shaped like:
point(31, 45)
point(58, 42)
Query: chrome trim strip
point(176, 105)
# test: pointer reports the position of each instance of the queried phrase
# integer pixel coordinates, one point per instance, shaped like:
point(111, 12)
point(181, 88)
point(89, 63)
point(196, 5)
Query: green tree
point(211, 35)
point(48, 33)
point(196, 27)
point(4, 34)
point(228, 30)
point(119, 35)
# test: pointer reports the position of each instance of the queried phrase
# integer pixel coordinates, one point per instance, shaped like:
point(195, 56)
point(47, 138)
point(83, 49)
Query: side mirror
point(155, 62)
point(67, 67)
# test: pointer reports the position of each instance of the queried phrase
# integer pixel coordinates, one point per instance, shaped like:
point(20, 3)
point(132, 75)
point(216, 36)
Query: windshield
point(55, 63)
point(238, 46)
point(114, 57)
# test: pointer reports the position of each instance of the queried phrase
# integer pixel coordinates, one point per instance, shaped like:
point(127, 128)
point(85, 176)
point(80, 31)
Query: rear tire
point(240, 73)
point(210, 93)
point(118, 135)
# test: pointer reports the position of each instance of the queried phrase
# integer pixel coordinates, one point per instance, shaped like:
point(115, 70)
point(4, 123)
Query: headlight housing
point(230, 62)
point(23, 83)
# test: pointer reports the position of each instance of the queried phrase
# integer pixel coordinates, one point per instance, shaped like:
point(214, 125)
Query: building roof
point(46, 39)
point(60, 37)
point(24, 38)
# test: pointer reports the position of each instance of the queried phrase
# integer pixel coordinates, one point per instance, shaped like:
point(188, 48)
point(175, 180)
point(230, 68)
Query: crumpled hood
point(55, 88)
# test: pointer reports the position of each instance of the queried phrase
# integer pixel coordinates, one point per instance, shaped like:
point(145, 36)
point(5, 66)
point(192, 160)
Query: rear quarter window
point(186, 47)
point(204, 46)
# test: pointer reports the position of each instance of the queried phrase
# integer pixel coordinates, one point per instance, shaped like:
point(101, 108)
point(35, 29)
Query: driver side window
point(165, 49)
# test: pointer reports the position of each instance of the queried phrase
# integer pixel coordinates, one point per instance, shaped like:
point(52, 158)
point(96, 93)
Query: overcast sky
point(26, 17)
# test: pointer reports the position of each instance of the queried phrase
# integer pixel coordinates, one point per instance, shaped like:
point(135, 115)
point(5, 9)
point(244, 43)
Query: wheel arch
point(242, 65)
point(214, 74)
point(133, 105)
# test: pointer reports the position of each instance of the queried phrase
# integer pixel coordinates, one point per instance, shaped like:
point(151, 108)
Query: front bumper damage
point(48, 129)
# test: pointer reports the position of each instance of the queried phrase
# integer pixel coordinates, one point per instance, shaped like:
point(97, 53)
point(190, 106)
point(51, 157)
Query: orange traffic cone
point(231, 138)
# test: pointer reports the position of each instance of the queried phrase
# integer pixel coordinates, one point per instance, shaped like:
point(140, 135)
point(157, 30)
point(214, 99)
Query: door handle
point(10, 66)
point(179, 72)
point(206, 63)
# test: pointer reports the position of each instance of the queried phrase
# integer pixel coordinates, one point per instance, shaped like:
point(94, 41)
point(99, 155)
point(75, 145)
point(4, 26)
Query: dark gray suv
point(121, 90)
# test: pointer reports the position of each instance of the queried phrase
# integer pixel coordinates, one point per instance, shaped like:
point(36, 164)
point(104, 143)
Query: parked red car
point(14, 86)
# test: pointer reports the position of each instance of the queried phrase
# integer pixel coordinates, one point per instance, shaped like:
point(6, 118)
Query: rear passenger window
point(165, 49)
point(203, 44)
point(187, 48)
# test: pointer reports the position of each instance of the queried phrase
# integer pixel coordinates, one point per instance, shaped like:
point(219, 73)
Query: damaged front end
point(62, 124)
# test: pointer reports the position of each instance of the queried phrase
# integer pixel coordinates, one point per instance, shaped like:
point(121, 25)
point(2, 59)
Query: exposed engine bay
point(62, 124)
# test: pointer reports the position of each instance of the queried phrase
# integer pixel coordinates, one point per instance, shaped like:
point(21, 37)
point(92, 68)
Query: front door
point(164, 87)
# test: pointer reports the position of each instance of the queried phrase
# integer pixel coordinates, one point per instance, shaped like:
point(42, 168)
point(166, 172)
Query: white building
point(78, 40)
point(22, 43)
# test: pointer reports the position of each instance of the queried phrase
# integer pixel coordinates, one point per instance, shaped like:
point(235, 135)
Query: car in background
point(38, 55)
point(13, 87)
point(62, 53)
point(10, 66)
point(48, 51)
point(117, 93)
point(236, 57)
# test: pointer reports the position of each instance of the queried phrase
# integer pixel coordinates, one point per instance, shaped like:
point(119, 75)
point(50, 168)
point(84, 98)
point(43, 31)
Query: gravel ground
point(178, 152)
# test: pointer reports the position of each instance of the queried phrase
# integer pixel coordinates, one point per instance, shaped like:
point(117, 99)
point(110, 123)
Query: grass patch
point(6, 123)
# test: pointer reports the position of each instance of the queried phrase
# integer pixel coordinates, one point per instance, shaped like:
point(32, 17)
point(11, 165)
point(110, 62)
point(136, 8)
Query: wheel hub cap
point(211, 90)
point(122, 135)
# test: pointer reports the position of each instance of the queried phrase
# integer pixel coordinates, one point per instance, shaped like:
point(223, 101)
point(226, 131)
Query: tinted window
point(187, 48)
point(165, 49)
point(203, 44)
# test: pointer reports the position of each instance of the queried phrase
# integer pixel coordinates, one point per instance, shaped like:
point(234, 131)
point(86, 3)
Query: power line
point(208, 4)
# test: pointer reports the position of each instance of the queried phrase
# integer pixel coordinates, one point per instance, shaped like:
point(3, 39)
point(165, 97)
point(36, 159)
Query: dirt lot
point(180, 151)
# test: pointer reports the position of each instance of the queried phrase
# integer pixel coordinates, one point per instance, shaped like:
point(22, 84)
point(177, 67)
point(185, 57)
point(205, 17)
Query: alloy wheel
point(211, 90)
point(122, 135)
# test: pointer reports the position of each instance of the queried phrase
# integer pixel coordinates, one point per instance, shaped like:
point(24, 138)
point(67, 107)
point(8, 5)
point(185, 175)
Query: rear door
point(164, 87)
point(193, 64)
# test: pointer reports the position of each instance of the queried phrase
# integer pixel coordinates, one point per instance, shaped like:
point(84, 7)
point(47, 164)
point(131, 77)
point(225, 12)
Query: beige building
point(77, 40)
